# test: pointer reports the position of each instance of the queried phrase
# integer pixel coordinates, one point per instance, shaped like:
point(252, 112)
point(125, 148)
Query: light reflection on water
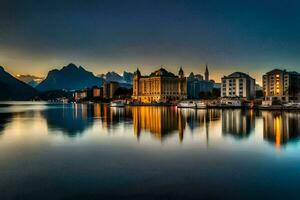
point(94, 150)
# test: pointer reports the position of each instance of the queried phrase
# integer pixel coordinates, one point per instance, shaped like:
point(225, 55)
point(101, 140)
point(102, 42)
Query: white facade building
point(238, 85)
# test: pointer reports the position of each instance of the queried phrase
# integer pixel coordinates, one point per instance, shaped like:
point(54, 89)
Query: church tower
point(181, 73)
point(182, 84)
point(206, 74)
point(136, 85)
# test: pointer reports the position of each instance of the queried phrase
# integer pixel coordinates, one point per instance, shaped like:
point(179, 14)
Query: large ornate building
point(159, 86)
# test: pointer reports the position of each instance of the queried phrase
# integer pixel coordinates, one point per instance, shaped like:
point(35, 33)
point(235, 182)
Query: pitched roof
point(162, 72)
point(238, 75)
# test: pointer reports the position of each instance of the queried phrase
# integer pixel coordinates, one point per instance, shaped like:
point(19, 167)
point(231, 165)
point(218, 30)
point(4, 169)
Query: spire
point(137, 72)
point(206, 73)
point(181, 73)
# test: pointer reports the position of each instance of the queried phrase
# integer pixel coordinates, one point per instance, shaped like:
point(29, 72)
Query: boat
point(292, 105)
point(200, 105)
point(117, 103)
point(264, 106)
point(234, 103)
point(186, 104)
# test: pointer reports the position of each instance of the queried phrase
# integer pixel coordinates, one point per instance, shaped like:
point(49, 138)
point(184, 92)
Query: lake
point(92, 151)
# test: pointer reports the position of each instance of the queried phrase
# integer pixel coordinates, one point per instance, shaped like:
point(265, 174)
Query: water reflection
point(281, 127)
point(199, 118)
point(160, 122)
point(111, 116)
point(71, 120)
point(238, 123)
point(107, 160)
point(4, 119)
point(164, 121)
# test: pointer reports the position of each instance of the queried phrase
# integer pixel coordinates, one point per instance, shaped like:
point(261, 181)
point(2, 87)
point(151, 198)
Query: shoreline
point(256, 107)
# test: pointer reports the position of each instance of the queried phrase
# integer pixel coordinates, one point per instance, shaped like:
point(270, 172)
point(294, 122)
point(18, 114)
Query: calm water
point(97, 152)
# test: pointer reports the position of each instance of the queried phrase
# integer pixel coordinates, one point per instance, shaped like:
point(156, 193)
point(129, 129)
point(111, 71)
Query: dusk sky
point(249, 36)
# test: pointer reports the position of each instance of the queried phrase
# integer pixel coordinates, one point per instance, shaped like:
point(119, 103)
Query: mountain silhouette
point(113, 76)
point(14, 89)
point(126, 78)
point(69, 77)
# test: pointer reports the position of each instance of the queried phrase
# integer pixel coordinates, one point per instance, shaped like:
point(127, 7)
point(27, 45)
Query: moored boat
point(292, 105)
point(186, 104)
point(233, 103)
point(201, 105)
point(117, 103)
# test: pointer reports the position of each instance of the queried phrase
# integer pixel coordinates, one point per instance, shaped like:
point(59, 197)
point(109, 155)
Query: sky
point(109, 35)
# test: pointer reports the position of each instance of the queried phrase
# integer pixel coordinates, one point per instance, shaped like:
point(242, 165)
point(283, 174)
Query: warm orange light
point(277, 131)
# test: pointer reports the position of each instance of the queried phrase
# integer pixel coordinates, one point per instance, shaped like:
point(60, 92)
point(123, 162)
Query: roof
point(275, 71)
point(238, 75)
point(282, 71)
point(162, 72)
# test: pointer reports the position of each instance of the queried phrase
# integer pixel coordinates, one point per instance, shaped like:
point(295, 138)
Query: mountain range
point(14, 89)
point(70, 77)
point(126, 78)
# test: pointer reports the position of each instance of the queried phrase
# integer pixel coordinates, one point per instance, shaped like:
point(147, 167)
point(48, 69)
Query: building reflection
point(111, 116)
point(211, 115)
point(72, 120)
point(159, 121)
point(164, 121)
point(198, 118)
point(193, 118)
point(238, 123)
point(281, 127)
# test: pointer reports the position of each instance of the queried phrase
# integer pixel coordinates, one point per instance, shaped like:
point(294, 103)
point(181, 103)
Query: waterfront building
point(97, 91)
point(196, 85)
point(159, 86)
point(109, 89)
point(238, 85)
point(281, 85)
point(80, 94)
point(217, 85)
point(198, 76)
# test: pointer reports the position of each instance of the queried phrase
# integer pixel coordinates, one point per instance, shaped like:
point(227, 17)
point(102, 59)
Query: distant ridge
point(14, 89)
point(125, 79)
point(70, 77)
